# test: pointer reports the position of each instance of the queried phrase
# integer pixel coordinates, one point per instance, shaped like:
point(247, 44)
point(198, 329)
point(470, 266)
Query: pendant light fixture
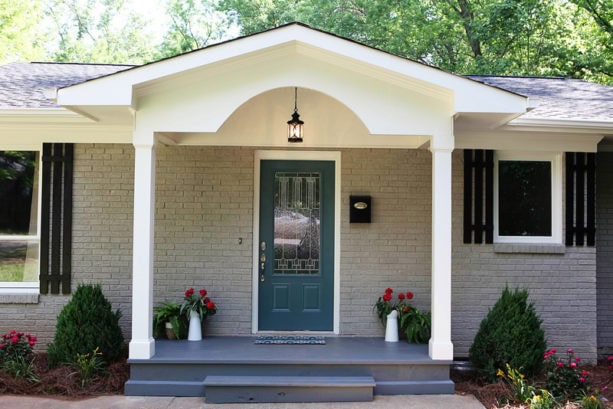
point(295, 127)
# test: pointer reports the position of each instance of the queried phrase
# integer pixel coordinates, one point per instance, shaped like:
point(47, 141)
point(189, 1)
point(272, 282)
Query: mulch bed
point(495, 396)
point(62, 382)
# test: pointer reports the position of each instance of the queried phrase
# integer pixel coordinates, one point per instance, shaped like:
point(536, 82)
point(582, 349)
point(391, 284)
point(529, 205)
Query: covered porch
point(344, 368)
point(233, 99)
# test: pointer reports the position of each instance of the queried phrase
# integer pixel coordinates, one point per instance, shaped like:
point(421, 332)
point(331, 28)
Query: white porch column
point(440, 346)
point(142, 345)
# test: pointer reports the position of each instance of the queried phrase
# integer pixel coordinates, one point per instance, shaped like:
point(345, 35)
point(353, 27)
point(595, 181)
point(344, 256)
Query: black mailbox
point(359, 209)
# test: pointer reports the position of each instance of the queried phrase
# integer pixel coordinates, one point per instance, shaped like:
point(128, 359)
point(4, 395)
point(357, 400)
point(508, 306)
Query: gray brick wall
point(562, 286)
point(604, 258)
point(102, 240)
point(204, 237)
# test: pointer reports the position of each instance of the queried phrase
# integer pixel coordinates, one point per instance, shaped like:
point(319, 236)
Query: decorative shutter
point(478, 196)
point(580, 198)
point(56, 218)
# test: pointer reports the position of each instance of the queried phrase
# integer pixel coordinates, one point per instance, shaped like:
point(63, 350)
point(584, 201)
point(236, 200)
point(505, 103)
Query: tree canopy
point(571, 38)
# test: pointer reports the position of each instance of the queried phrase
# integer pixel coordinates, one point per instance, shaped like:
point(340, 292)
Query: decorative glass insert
point(296, 228)
point(524, 198)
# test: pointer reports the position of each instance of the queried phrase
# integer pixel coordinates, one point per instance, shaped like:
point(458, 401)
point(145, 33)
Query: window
point(19, 216)
point(528, 198)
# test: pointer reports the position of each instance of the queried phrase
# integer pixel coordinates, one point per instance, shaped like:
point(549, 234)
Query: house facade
point(179, 173)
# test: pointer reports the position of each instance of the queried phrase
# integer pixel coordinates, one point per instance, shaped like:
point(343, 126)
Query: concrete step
point(290, 389)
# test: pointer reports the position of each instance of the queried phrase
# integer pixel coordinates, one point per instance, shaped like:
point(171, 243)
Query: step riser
point(261, 394)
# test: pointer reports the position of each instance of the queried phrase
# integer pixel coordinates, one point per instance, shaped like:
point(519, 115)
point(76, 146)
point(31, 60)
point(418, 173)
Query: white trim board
point(333, 156)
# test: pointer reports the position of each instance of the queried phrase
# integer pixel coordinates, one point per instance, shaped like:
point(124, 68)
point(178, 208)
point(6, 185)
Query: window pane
point(524, 198)
point(18, 261)
point(18, 196)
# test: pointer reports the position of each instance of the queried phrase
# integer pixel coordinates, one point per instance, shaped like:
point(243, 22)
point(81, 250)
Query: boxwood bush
point(85, 323)
point(510, 334)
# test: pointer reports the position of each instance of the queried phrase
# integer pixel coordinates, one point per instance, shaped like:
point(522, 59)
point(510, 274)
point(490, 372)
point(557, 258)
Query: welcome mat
point(290, 340)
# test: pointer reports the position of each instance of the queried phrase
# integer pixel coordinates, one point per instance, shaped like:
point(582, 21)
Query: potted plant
point(197, 306)
point(169, 321)
point(414, 325)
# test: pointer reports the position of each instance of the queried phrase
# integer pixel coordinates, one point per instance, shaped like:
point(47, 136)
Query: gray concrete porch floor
point(140, 402)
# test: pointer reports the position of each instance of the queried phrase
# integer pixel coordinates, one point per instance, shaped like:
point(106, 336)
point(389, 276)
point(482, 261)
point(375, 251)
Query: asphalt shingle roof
point(559, 98)
point(23, 84)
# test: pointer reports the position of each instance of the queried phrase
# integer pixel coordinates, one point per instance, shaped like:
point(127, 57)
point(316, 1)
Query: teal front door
point(296, 246)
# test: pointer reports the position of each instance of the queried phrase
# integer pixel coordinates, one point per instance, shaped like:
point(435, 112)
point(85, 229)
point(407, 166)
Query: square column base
point(440, 350)
point(142, 348)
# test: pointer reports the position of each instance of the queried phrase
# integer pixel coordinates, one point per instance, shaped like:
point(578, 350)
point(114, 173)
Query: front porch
point(329, 372)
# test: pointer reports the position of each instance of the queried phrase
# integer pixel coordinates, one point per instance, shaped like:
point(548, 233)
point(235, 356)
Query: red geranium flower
point(573, 364)
point(410, 295)
point(210, 305)
point(202, 292)
point(15, 340)
point(189, 292)
point(387, 297)
point(560, 364)
point(584, 373)
point(401, 296)
point(405, 309)
point(570, 351)
point(388, 290)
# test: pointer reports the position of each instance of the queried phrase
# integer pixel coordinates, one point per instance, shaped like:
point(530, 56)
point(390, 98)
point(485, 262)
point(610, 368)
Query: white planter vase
point(195, 327)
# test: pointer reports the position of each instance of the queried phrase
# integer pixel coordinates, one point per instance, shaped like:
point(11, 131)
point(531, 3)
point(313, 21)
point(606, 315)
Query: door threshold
point(326, 333)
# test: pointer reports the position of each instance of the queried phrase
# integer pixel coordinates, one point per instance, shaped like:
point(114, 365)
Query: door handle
point(262, 260)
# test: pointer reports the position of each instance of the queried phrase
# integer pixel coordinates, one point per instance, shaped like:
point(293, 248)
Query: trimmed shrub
point(85, 323)
point(510, 334)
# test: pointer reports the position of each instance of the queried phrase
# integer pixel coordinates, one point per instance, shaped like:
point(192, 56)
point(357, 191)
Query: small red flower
point(210, 305)
point(388, 290)
point(410, 295)
point(584, 373)
point(582, 379)
point(203, 292)
point(570, 351)
point(206, 300)
point(405, 309)
point(15, 339)
point(610, 358)
point(189, 292)
point(577, 359)
point(387, 297)
point(401, 296)
point(553, 351)
point(573, 364)
point(560, 364)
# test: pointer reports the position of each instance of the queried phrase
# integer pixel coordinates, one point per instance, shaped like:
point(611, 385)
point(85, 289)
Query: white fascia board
point(117, 89)
point(41, 115)
point(527, 141)
point(569, 125)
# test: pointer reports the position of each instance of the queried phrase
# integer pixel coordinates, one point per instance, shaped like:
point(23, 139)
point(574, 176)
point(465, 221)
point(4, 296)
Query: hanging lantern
point(295, 127)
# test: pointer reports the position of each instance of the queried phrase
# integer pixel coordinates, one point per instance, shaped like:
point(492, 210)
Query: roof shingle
point(23, 84)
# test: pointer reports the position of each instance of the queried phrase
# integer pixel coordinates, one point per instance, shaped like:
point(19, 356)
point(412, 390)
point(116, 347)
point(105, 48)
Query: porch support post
point(440, 346)
point(142, 345)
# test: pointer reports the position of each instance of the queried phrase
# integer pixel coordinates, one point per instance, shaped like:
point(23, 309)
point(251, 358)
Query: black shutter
point(56, 218)
point(580, 198)
point(478, 196)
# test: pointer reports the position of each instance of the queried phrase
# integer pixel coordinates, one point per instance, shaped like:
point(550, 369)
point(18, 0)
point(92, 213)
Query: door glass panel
point(296, 226)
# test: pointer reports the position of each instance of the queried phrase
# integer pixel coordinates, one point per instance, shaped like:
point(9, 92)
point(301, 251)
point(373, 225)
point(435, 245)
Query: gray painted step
point(270, 389)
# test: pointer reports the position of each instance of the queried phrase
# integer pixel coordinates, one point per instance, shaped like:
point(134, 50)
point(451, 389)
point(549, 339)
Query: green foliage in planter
point(85, 323)
point(415, 325)
point(510, 334)
point(169, 312)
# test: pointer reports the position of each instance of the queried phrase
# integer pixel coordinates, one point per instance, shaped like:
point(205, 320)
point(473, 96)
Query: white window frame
point(29, 287)
point(555, 158)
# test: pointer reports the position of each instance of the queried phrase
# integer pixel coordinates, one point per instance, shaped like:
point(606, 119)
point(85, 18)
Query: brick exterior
point(204, 202)
point(604, 257)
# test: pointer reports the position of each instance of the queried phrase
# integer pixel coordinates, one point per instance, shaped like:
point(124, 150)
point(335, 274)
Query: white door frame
point(333, 156)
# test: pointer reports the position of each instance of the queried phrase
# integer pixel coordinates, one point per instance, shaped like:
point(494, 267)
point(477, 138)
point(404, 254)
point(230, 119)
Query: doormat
point(289, 340)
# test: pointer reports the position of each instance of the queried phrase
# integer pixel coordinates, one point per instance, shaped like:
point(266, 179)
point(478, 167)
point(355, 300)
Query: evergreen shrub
point(85, 323)
point(510, 334)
